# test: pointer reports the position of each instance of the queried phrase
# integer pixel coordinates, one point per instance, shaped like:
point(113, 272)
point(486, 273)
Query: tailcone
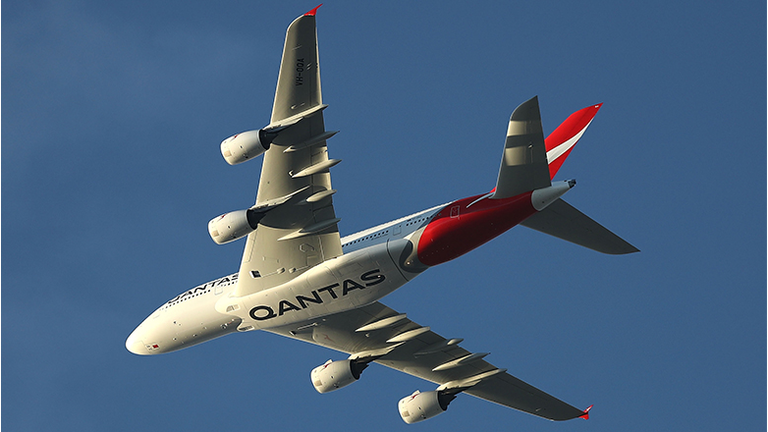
point(541, 198)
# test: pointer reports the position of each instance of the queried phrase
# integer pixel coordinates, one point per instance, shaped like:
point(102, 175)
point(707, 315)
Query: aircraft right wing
point(378, 333)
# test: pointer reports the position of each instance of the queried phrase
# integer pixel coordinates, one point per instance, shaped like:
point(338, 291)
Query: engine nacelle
point(422, 406)
point(234, 225)
point(246, 145)
point(336, 374)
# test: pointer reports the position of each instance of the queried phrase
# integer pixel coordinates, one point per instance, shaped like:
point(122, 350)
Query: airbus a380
point(300, 279)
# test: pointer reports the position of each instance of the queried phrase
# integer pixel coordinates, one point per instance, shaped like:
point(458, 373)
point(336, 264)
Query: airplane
point(300, 279)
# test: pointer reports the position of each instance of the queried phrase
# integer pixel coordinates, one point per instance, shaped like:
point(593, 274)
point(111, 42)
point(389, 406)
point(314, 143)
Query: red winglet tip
point(585, 416)
point(313, 11)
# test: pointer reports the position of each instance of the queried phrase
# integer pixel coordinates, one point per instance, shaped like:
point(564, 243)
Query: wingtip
point(585, 416)
point(313, 12)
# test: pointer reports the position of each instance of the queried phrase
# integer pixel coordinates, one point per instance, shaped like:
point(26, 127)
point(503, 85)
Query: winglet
point(585, 416)
point(313, 11)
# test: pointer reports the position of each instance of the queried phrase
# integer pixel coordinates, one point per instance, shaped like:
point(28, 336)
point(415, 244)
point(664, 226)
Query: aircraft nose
point(135, 345)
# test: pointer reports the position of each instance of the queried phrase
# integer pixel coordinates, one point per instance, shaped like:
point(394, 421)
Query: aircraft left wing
point(299, 230)
point(378, 333)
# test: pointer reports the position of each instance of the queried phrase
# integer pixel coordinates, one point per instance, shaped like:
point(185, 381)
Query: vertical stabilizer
point(524, 163)
point(561, 141)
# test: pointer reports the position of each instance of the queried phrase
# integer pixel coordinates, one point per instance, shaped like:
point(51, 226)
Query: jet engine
point(234, 225)
point(336, 374)
point(422, 406)
point(246, 145)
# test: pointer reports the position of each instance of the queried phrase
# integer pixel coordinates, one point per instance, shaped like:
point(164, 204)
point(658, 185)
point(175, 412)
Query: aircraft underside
point(298, 278)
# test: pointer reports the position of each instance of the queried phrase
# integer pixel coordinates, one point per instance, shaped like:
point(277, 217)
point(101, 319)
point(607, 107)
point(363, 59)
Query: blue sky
point(112, 117)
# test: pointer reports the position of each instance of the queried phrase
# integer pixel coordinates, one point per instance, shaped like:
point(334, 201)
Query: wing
point(302, 230)
point(376, 330)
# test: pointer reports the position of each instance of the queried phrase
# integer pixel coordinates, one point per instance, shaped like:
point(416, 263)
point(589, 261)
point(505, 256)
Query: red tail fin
point(560, 142)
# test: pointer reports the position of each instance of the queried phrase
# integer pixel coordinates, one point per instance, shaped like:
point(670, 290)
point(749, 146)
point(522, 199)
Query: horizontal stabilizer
point(563, 221)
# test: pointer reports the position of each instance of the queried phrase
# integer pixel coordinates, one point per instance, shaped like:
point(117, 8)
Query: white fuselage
point(367, 271)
